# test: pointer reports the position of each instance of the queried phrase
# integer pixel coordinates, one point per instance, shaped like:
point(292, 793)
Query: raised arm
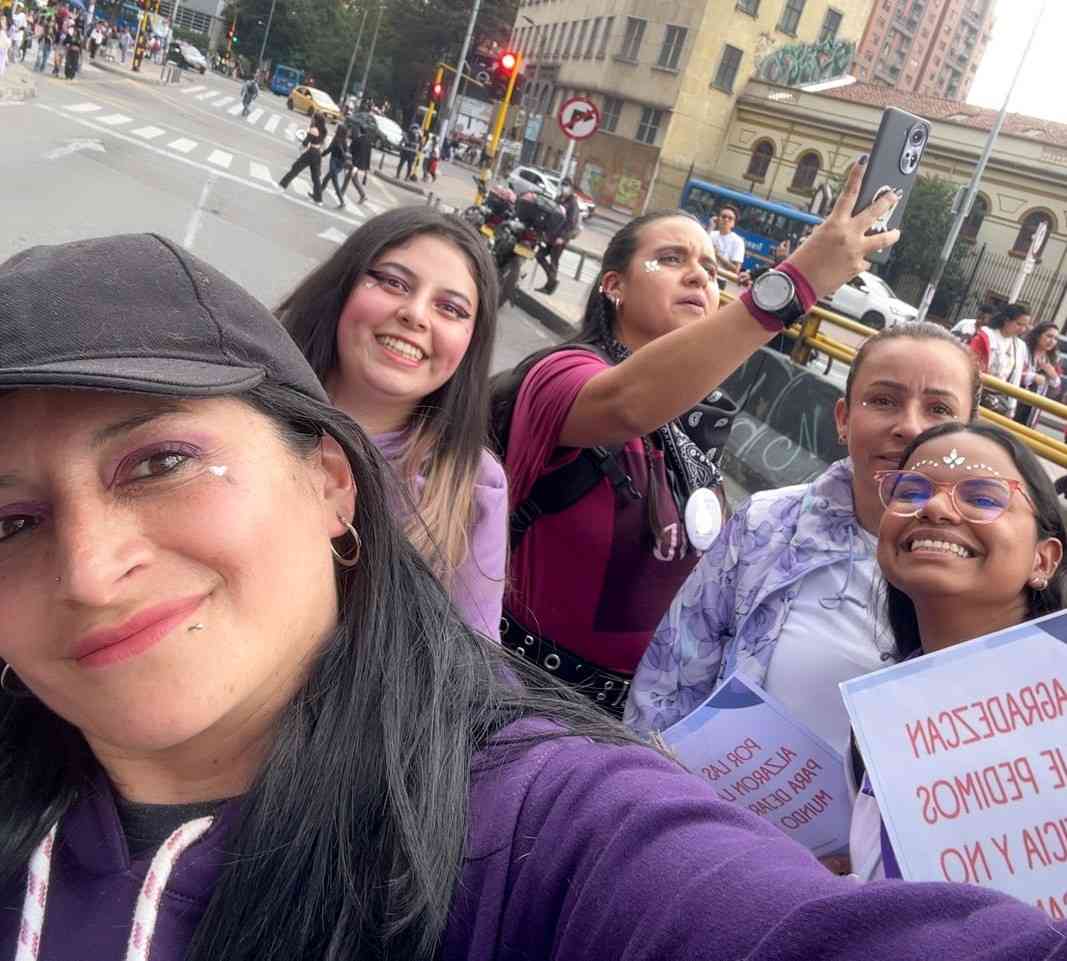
point(669, 375)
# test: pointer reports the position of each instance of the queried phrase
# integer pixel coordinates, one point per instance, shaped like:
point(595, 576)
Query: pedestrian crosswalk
point(266, 120)
point(209, 155)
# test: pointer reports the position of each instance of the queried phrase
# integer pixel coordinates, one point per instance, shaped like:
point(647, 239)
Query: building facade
point(782, 140)
point(925, 46)
point(665, 75)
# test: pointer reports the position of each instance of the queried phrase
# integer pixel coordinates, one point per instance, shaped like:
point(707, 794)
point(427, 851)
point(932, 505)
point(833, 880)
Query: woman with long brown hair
point(399, 325)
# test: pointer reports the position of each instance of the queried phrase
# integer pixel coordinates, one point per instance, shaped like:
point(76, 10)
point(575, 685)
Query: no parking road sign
point(579, 118)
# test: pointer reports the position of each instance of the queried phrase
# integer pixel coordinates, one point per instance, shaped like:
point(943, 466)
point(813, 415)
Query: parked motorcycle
point(517, 240)
point(497, 208)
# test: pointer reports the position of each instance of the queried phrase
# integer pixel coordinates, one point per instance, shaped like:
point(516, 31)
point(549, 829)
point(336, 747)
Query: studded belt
point(604, 688)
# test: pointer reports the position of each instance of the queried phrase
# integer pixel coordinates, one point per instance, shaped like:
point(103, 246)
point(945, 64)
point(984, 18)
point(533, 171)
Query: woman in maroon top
point(618, 411)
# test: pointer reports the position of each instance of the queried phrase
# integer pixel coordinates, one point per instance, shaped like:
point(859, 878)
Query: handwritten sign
point(754, 753)
point(966, 750)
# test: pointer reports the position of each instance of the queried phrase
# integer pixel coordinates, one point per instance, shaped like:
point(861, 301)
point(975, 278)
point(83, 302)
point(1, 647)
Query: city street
point(107, 154)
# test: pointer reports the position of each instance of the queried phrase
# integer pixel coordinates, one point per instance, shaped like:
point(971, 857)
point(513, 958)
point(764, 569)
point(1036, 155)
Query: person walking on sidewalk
point(249, 92)
point(73, 46)
point(550, 252)
point(125, 42)
point(407, 152)
point(311, 158)
point(5, 45)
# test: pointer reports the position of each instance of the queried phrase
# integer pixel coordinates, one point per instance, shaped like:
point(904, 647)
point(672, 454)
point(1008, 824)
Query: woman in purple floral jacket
point(787, 595)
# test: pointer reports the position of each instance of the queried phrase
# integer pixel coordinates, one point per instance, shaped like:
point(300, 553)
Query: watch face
point(773, 291)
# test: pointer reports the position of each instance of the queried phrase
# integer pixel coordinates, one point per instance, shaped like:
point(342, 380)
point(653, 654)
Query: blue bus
point(284, 79)
point(761, 223)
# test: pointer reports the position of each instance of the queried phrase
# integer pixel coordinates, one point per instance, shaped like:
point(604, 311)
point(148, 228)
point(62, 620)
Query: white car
point(524, 179)
point(871, 301)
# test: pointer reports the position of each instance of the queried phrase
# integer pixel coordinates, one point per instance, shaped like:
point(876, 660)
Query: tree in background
point(317, 36)
point(926, 224)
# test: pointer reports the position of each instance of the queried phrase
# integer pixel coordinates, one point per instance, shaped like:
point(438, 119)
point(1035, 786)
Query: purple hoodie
point(477, 586)
point(577, 852)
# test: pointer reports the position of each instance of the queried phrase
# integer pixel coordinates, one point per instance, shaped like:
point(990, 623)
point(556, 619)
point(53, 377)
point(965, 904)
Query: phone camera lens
point(918, 136)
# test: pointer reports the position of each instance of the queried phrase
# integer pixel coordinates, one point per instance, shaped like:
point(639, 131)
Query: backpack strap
point(567, 485)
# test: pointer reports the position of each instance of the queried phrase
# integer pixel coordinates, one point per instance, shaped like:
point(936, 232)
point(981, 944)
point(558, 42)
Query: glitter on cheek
point(219, 471)
point(652, 266)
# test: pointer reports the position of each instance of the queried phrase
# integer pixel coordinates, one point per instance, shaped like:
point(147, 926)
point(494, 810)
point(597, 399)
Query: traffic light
point(437, 91)
point(504, 68)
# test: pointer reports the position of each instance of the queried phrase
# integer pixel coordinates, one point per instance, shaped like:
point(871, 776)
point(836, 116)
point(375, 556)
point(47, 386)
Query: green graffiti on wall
point(803, 63)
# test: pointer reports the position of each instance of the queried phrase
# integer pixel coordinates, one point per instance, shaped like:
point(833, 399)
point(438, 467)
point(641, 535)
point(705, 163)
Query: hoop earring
point(12, 691)
point(352, 560)
point(1039, 583)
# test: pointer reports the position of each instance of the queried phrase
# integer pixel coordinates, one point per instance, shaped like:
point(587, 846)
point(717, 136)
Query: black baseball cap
point(136, 312)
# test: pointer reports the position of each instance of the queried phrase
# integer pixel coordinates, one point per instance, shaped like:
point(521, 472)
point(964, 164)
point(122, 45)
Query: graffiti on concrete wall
point(803, 63)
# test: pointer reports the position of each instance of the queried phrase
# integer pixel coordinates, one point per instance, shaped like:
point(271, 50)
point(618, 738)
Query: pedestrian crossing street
point(209, 154)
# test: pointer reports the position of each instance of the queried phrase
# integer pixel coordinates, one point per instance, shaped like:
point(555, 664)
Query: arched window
point(1028, 229)
point(806, 172)
point(760, 161)
point(978, 214)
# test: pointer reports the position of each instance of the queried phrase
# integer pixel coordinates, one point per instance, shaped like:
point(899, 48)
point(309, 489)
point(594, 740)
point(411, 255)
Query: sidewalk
point(150, 72)
point(17, 84)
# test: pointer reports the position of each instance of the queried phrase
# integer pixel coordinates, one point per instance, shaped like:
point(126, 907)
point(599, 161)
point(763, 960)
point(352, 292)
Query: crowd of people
point(317, 638)
point(57, 37)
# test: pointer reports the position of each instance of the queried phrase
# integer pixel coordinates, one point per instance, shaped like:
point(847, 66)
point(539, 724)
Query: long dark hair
point(900, 608)
point(598, 320)
point(1033, 338)
point(449, 429)
point(352, 836)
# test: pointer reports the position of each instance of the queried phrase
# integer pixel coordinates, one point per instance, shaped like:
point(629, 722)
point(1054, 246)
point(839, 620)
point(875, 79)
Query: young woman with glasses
point(971, 542)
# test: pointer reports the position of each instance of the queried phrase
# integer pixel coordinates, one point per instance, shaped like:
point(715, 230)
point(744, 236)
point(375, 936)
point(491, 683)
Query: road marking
point(195, 89)
point(115, 120)
point(74, 147)
point(149, 133)
point(234, 110)
point(389, 195)
point(220, 158)
point(193, 227)
point(333, 235)
point(222, 102)
point(272, 123)
point(371, 205)
point(187, 161)
point(260, 172)
point(84, 108)
point(210, 95)
point(254, 116)
point(184, 144)
point(290, 133)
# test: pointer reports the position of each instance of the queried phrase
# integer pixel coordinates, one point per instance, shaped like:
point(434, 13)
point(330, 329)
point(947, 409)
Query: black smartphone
point(893, 165)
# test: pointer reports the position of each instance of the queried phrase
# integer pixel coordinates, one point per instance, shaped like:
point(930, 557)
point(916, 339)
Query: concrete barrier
point(784, 432)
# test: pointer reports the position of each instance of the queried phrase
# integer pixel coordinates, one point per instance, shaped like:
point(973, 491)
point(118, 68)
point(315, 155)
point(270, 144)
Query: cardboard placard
point(966, 751)
point(754, 753)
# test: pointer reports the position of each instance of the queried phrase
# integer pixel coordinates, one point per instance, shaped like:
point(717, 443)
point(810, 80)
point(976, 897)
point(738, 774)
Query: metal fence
point(990, 276)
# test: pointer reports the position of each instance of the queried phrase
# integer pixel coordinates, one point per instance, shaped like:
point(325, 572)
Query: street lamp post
point(461, 66)
point(370, 56)
point(965, 208)
point(352, 59)
point(266, 34)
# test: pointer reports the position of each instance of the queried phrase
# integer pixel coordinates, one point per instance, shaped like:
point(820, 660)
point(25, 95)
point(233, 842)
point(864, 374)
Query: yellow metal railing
point(809, 336)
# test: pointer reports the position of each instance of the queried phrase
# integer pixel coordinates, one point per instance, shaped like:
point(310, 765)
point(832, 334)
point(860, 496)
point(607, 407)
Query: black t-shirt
point(147, 826)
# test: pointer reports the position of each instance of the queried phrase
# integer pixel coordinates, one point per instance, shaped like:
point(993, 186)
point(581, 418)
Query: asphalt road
point(105, 154)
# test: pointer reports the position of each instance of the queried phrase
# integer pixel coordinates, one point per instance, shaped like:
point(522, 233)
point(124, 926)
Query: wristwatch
point(775, 293)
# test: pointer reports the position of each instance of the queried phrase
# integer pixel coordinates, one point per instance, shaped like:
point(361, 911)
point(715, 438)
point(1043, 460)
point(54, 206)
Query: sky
point(1039, 92)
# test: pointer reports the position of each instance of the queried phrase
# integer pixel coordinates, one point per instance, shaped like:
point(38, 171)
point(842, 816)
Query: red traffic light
point(508, 61)
point(436, 91)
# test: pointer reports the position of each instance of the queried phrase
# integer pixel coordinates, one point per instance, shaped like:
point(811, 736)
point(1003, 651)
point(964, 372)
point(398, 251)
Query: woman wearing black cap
point(310, 158)
point(239, 719)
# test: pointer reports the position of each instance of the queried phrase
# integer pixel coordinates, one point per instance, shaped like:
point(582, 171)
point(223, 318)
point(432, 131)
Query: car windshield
point(323, 99)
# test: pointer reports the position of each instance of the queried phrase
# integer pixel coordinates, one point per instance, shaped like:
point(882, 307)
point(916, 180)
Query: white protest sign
point(966, 750)
point(757, 755)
